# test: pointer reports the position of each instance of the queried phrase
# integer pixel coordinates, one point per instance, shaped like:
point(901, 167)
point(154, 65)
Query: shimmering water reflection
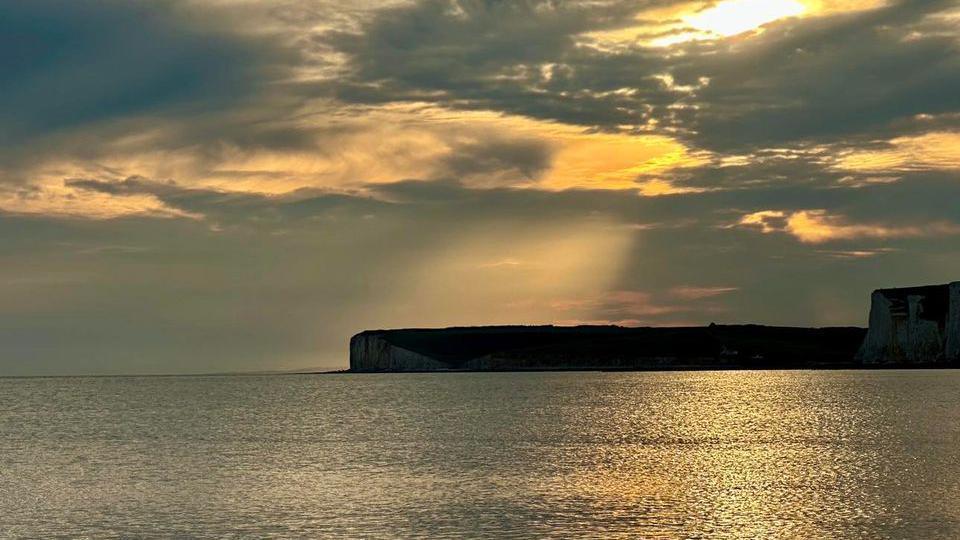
point(796, 454)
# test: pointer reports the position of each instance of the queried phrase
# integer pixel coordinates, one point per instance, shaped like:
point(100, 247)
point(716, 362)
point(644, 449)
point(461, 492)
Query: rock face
point(517, 348)
point(952, 346)
point(913, 326)
point(372, 352)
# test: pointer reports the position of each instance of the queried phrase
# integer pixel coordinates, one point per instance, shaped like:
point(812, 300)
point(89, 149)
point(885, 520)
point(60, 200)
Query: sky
point(191, 186)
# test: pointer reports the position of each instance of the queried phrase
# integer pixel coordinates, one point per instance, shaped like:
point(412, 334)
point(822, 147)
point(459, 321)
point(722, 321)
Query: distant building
point(914, 325)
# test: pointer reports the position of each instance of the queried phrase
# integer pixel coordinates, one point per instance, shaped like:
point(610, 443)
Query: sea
point(728, 454)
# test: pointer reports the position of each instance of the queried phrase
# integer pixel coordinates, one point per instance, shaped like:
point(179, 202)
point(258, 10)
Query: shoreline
point(651, 369)
point(454, 371)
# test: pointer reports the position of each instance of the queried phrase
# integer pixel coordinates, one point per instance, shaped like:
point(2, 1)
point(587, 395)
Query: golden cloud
point(818, 226)
point(350, 150)
point(935, 150)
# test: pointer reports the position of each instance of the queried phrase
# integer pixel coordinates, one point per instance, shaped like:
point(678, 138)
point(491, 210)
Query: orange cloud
point(697, 293)
point(935, 150)
point(350, 150)
point(54, 198)
point(818, 226)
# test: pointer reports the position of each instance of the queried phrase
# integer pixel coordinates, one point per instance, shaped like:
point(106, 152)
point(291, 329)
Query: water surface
point(792, 454)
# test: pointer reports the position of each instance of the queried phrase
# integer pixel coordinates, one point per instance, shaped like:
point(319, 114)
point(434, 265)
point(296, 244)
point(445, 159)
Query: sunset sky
point(231, 185)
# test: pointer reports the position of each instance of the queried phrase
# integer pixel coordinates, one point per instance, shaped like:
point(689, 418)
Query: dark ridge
point(611, 347)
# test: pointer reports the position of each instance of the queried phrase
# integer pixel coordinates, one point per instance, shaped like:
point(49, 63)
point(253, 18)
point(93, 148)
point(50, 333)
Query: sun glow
point(690, 21)
point(737, 16)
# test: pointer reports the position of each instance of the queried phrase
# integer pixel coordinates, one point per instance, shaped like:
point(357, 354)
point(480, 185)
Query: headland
point(909, 327)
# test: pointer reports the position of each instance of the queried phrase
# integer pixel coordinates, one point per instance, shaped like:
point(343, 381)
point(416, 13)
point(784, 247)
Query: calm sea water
point(797, 454)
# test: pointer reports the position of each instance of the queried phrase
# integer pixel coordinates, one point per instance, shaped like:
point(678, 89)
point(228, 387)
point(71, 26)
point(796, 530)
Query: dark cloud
point(70, 70)
point(489, 54)
point(830, 78)
point(68, 63)
point(916, 198)
point(448, 46)
point(818, 79)
point(527, 159)
point(233, 208)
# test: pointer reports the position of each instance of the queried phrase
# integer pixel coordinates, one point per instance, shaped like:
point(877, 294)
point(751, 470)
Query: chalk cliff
point(373, 352)
point(952, 345)
point(913, 326)
point(510, 348)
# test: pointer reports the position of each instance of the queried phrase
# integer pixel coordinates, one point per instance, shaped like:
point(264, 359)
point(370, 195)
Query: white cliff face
point(370, 352)
point(952, 352)
point(880, 344)
point(921, 338)
point(913, 326)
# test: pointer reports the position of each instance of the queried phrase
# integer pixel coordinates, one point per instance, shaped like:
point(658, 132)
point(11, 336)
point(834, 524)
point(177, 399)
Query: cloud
point(818, 226)
point(829, 77)
point(278, 99)
point(929, 151)
point(525, 61)
point(687, 292)
point(225, 207)
point(67, 64)
point(838, 74)
point(527, 159)
point(858, 253)
point(619, 304)
point(676, 306)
